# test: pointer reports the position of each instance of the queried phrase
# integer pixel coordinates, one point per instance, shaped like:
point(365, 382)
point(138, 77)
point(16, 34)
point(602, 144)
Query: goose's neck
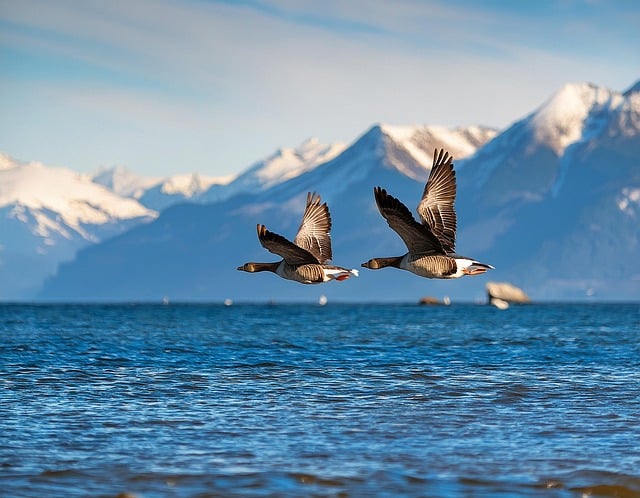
point(256, 267)
point(377, 263)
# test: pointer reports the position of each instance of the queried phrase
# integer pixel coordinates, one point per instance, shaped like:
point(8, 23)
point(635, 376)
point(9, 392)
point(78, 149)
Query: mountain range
point(552, 202)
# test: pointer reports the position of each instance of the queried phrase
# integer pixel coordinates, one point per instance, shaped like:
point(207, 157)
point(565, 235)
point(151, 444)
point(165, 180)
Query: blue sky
point(168, 86)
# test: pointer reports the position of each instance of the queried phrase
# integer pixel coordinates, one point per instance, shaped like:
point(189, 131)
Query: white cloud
point(218, 85)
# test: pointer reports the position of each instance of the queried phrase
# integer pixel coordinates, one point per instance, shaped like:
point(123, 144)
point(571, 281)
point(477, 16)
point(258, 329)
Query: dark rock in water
point(500, 294)
point(429, 300)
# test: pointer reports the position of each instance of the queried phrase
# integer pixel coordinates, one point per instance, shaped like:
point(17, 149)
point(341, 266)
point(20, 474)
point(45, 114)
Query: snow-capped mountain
point(555, 196)
point(159, 193)
point(182, 188)
point(407, 150)
point(124, 182)
point(285, 164)
point(418, 143)
point(46, 215)
point(532, 156)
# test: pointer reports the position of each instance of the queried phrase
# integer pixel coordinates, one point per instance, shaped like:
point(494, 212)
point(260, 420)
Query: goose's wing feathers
point(314, 232)
point(290, 252)
point(436, 207)
point(417, 237)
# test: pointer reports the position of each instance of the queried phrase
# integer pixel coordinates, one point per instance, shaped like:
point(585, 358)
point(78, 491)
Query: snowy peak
point(535, 154)
point(382, 152)
point(311, 150)
point(192, 184)
point(563, 119)
point(124, 182)
point(176, 189)
point(287, 163)
point(284, 165)
point(47, 214)
point(421, 140)
point(74, 198)
point(409, 149)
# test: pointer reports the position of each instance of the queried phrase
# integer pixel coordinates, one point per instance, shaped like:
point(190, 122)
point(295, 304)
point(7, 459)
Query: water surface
point(300, 400)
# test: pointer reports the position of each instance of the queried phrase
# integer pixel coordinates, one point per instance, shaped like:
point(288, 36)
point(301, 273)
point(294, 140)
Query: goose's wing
point(277, 244)
point(417, 237)
point(436, 207)
point(314, 232)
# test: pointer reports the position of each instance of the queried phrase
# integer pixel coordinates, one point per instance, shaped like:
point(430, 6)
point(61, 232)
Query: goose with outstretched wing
point(304, 260)
point(431, 242)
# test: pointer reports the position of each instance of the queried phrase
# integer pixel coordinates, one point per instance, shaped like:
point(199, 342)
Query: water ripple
point(153, 401)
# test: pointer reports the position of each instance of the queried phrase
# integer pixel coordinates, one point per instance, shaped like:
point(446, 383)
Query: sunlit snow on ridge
point(560, 121)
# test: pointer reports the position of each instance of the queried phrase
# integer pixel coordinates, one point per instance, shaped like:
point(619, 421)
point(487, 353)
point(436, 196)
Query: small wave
point(304, 478)
point(59, 473)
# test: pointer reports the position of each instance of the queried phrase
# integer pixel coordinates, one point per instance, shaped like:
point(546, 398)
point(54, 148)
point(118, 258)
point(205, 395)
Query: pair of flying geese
point(430, 244)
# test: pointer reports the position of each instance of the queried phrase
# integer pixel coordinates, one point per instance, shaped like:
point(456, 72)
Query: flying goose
point(431, 244)
point(305, 259)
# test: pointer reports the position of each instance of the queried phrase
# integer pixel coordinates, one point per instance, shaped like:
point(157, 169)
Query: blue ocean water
point(305, 400)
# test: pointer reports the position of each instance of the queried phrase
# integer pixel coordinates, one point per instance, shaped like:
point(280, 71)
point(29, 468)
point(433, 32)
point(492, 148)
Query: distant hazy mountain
point(46, 215)
point(284, 164)
point(124, 182)
point(159, 193)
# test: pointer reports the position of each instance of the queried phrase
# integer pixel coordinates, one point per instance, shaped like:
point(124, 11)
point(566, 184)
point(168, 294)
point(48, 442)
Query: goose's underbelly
point(435, 266)
point(306, 274)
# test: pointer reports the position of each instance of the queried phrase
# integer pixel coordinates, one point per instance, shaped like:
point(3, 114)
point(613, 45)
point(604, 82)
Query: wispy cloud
point(221, 83)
